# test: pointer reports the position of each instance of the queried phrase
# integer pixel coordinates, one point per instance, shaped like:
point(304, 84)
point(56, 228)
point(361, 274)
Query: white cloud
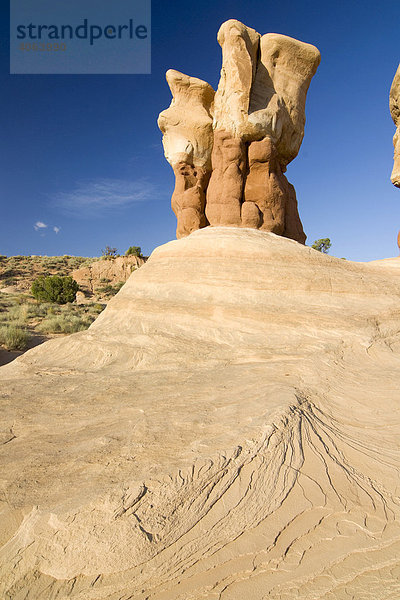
point(39, 225)
point(56, 229)
point(94, 198)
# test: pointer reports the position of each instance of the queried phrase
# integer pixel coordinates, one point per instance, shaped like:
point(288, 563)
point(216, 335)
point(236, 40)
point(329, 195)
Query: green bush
point(55, 289)
point(13, 337)
point(134, 251)
point(322, 245)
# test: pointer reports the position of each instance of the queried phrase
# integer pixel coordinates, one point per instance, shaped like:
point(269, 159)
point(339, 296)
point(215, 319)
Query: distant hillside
point(25, 323)
point(20, 271)
point(99, 278)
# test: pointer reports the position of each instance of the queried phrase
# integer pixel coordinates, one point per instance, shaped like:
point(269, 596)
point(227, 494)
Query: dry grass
point(13, 337)
point(21, 318)
point(65, 323)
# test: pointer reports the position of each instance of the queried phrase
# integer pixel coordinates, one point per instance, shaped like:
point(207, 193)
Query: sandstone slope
point(391, 263)
point(227, 429)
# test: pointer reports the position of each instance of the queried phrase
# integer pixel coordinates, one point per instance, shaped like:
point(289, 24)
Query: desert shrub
point(109, 252)
point(8, 281)
point(4, 316)
point(67, 323)
point(105, 280)
point(18, 314)
point(55, 289)
point(76, 262)
point(105, 289)
point(3, 257)
point(110, 290)
point(55, 264)
point(5, 301)
point(13, 337)
point(14, 313)
point(35, 310)
point(322, 245)
point(71, 309)
point(134, 251)
point(8, 274)
point(98, 308)
point(19, 309)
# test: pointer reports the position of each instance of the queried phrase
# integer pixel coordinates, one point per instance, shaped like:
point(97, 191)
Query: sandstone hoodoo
point(395, 112)
point(229, 150)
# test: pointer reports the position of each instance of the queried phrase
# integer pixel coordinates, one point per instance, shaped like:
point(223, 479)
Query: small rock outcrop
point(229, 150)
point(395, 112)
point(102, 271)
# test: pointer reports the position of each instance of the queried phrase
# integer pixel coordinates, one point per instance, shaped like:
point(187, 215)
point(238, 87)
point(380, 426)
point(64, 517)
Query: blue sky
point(83, 154)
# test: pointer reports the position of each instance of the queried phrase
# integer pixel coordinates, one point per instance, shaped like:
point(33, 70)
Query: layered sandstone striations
point(257, 126)
point(395, 112)
point(228, 428)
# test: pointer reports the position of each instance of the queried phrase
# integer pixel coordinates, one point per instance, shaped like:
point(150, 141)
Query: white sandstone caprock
point(278, 99)
point(188, 140)
point(187, 123)
point(240, 46)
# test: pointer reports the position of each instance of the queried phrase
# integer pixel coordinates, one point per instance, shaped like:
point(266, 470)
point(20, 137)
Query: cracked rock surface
point(227, 429)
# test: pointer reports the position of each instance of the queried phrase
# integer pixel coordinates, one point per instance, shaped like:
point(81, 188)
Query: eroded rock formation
point(395, 112)
point(240, 141)
point(92, 277)
point(187, 138)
